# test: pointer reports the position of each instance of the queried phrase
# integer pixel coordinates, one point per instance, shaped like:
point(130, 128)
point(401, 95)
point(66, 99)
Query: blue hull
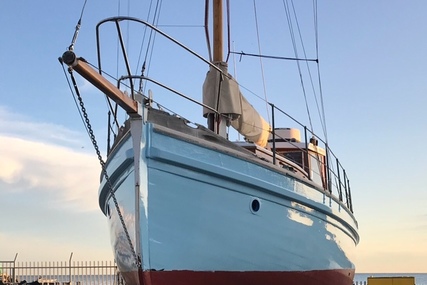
point(203, 207)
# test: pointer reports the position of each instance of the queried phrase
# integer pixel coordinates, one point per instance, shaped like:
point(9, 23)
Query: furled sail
point(222, 93)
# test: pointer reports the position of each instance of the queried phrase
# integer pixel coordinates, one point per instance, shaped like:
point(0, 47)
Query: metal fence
point(60, 273)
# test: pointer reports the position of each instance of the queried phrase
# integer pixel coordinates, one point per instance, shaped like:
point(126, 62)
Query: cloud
point(48, 160)
point(48, 188)
point(66, 175)
point(18, 125)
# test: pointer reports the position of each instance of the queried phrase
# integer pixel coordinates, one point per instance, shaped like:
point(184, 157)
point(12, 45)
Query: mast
point(221, 93)
point(218, 123)
point(218, 31)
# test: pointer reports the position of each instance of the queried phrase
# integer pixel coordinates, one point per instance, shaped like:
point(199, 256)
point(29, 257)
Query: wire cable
point(76, 32)
point(261, 63)
point(291, 31)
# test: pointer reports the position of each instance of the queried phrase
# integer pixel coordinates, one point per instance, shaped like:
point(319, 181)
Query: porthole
point(255, 205)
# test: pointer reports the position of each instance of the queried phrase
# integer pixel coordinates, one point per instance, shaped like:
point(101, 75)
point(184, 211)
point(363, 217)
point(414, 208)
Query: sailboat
point(186, 204)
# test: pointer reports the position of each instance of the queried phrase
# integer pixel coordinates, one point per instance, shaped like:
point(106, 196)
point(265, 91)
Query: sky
point(373, 60)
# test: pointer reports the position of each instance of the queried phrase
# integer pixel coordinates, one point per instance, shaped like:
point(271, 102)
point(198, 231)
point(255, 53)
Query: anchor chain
point(104, 170)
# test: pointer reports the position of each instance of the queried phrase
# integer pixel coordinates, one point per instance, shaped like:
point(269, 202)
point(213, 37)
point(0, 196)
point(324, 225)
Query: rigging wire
point(320, 107)
point(152, 38)
point(73, 95)
point(71, 47)
point(316, 29)
point(242, 53)
point(144, 37)
point(261, 62)
point(291, 30)
point(291, 16)
point(311, 82)
point(325, 130)
point(305, 55)
point(308, 67)
point(321, 112)
point(76, 32)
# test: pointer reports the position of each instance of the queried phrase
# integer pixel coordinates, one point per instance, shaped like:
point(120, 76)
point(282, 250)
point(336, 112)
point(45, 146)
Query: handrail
point(125, 18)
point(330, 172)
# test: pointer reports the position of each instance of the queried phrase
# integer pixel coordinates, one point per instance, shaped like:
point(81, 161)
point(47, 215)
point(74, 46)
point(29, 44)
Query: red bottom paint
point(186, 277)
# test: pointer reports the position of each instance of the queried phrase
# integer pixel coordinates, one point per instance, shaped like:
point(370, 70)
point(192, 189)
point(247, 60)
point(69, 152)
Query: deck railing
point(337, 182)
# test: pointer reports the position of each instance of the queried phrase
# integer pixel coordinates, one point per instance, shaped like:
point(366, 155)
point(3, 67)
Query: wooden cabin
point(287, 150)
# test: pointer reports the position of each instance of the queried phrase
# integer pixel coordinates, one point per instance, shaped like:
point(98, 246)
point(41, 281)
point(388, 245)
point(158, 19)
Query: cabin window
point(295, 157)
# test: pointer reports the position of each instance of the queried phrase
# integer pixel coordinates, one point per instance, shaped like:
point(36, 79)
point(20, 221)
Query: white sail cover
point(244, 118)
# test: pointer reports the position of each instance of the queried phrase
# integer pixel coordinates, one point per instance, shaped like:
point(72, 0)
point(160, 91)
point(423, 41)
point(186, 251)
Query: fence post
point(13, 272)
point(69, 268)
